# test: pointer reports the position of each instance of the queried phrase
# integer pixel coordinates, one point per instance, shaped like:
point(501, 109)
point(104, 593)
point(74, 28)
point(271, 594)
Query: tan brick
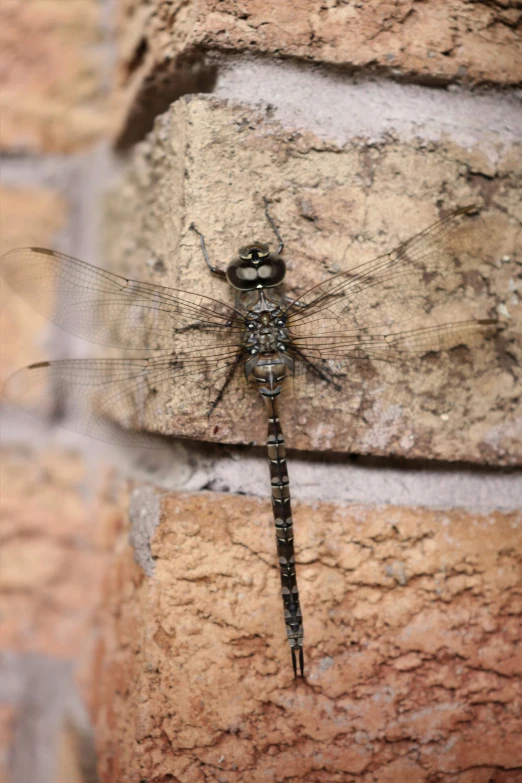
point(194, 676)
point(69, 760)
point(162, 44)
point(53, 94)
point(337, 206)
point(51, 559)
point(28, 216)
point(6, 729)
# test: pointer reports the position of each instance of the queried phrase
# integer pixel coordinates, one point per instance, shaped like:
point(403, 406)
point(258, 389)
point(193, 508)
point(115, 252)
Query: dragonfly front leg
point(213, 269)
point(274, 227)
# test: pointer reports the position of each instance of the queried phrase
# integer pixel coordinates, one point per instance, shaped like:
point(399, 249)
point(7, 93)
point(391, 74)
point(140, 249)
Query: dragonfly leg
point(293, 302)
point(274, 227)
point(213, 269)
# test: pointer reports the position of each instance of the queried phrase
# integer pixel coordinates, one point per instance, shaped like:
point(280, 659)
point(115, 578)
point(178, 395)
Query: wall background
point(350, 115)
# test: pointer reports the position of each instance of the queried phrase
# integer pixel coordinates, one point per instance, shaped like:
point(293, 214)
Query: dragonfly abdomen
point(284, 532)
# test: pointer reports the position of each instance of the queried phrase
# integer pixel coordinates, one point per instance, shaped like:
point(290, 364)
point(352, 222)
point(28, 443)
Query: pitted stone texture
point(54, 89)
point(28, 216)
point(411, 624)
point(164, 47)
point(211, 162)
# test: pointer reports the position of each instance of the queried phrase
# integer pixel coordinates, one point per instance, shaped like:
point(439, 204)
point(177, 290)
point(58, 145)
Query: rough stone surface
point(163, 45)
point(412, 629)
point(337, 206)
point(28, 216)
point(54, 89)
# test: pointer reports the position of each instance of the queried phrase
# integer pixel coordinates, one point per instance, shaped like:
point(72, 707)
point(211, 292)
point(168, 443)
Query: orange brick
point(163, 46)
point(52, 563)
point(194, 676)
point(53, 95)
point(28, 216)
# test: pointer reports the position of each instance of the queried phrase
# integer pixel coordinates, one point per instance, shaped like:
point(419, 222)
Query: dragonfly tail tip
point(301, 662)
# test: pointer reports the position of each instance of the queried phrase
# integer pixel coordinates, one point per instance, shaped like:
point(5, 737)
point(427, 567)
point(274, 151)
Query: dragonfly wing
point(365, 376)
point(383, 314)
point(105, 308)
point(409, 282)
point(91, 396)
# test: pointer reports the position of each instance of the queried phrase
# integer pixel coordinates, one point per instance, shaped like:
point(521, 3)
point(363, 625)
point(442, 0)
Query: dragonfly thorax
point(256, 267)
point(266, 331)
point(266, 339)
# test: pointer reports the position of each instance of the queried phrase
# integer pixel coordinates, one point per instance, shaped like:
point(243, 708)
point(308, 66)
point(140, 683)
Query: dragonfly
point(204, 354)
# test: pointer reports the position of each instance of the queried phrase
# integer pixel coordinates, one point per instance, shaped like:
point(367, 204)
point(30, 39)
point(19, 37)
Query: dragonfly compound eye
point(247, 274)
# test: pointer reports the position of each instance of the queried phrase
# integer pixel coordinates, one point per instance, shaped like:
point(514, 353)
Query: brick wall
point(55, 65)
point(363, 123)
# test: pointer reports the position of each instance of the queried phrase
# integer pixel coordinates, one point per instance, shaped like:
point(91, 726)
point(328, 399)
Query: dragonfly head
point(255, 267)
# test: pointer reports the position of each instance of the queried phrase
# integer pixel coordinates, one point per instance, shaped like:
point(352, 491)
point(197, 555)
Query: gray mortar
point(45, 699)
point(189, 466)
point(144, 515)
point(80, 180)
point(346, 108)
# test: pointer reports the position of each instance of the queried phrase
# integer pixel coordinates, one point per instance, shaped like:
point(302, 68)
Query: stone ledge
point(411, 626)
point(336, 205)
point(167, 50)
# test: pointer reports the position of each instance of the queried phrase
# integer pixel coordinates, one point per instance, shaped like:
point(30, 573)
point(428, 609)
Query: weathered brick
point(411, 646)
point(52, 561)
point(164, 46)
point(54, 97)
point(54, 535)
point(337, 205)
point(28, 216)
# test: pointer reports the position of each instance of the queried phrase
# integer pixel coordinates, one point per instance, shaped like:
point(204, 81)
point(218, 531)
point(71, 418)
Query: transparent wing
point(373, 382)
point(361, 332)
point(410, 281)
point(111, 310)
point(124, 400)
point(336, 348)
